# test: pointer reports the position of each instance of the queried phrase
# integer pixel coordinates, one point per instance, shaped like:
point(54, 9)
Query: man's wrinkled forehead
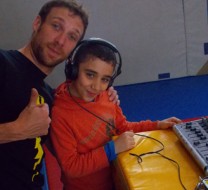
point(67, 17)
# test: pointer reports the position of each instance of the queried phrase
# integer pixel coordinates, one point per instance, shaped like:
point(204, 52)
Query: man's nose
point(60, 39)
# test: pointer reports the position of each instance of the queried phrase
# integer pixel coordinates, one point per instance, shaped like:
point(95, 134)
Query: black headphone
point(72, 68)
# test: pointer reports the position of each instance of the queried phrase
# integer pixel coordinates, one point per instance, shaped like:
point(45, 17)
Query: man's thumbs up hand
point(34, 120)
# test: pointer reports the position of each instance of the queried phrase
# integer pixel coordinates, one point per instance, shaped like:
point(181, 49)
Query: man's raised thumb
point(33, 97)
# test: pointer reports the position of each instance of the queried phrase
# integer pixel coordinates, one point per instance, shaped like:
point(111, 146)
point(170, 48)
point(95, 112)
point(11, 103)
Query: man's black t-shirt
point(20, 161)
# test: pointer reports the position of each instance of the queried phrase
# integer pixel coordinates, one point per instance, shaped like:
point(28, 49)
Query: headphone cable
point(139, 159)
point(87, 109)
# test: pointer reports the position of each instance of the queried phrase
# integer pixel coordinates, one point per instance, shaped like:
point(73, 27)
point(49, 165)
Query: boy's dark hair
point(71, 5)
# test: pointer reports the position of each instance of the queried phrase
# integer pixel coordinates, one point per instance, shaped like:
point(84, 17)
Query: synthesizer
point(194, 137)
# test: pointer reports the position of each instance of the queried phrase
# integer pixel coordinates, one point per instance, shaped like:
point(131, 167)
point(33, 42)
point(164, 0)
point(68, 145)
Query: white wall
point(149, 34)
point(153, 36)
point(196, 22)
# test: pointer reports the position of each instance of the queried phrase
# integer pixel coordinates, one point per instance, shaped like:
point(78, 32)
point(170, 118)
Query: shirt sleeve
point(110, 150)
point(2, 71)
point(140, 126)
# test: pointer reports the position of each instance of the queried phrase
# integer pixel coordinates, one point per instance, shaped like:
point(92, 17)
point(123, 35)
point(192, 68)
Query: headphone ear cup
point(67, 69)
point(74, 71)
point(71, 70)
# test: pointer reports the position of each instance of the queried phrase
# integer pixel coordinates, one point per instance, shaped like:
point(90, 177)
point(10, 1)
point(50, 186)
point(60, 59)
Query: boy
point(82, 132)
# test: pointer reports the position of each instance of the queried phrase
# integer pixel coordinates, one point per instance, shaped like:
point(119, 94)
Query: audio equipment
point(72, 67)
point(203, 184)
point(194, 137)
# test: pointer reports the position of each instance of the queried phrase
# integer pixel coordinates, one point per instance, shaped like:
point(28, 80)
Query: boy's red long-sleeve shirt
point(79, 138)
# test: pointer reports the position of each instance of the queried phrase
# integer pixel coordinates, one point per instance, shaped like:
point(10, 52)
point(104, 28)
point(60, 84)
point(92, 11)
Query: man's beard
point(38, 53)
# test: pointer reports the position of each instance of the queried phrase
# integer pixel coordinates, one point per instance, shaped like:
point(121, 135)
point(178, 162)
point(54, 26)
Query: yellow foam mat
point(156, 172)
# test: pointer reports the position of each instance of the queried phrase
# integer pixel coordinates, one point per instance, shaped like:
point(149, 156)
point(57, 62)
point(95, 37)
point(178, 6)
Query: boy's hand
point(124, 142)
point(168, 123)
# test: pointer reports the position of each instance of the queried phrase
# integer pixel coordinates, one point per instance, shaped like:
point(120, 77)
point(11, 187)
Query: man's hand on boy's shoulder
point(113, 95)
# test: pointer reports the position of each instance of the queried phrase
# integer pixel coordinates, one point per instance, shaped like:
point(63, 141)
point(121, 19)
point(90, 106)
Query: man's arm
point(32, 122)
